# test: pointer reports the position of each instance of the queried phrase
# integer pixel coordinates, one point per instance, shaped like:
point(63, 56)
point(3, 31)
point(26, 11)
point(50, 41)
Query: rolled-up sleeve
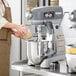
point(3, 21)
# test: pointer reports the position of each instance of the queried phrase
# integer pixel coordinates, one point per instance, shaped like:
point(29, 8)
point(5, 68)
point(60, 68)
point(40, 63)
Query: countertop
point(23, 67)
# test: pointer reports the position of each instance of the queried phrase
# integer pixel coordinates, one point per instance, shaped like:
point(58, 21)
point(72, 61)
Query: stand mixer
point(47, 44)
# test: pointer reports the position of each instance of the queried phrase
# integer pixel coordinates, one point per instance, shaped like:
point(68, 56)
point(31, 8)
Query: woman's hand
point(19, 31)
point(22, 32)
point(26, 36)
point(17, 34)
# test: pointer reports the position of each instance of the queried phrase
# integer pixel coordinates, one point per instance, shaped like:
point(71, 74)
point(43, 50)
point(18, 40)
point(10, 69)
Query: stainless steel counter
point(23, 67)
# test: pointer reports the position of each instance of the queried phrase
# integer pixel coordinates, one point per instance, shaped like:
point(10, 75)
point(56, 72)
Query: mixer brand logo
point(58, 13)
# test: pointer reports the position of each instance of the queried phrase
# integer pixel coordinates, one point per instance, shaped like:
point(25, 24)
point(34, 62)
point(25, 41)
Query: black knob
point(56, 26)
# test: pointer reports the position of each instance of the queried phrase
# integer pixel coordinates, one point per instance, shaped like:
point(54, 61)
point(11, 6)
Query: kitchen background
point(18, 16)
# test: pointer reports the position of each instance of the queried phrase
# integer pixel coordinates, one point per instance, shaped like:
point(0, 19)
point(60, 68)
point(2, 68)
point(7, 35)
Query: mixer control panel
point(49, 14)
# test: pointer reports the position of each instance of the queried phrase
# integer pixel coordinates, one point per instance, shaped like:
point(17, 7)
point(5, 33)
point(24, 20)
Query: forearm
point(10, 25)
point(4, 23)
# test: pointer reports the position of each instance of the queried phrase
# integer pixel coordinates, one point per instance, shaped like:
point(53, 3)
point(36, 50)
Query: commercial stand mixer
point(47, 44)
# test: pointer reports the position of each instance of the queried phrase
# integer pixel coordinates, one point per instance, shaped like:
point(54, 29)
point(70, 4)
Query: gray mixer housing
point(38, 14)
point(46, 20)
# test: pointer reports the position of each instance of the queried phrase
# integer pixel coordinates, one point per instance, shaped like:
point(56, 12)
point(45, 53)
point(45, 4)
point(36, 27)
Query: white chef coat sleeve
point(3, 22)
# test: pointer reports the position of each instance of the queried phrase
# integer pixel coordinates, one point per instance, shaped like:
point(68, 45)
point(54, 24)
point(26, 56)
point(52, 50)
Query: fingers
point(17, 35)
point(22, 25)
point(20, 29)
point(21, 32)
point(28, 35)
